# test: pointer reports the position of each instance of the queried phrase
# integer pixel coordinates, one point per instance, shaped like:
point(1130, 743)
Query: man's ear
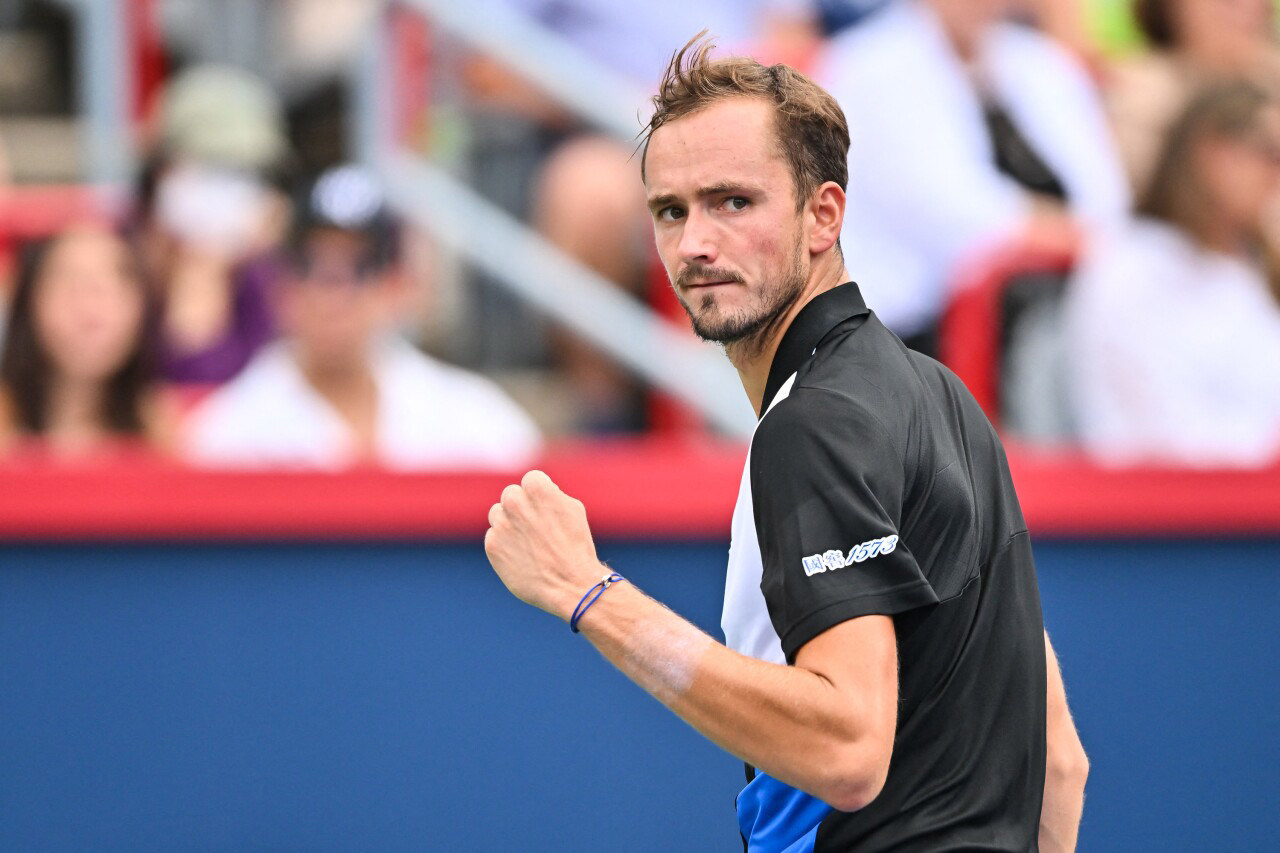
point(826, 212)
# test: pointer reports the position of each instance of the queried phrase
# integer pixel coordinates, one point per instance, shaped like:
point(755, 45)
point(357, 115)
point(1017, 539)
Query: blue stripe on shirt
point(777, 818)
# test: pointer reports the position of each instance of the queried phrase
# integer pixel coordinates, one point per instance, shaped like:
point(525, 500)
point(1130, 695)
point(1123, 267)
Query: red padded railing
point(632, 489)
point(969, 339)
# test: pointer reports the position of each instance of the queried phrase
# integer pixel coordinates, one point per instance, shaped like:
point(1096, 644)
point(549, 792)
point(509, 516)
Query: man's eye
point(670, 214)
point(736, 202)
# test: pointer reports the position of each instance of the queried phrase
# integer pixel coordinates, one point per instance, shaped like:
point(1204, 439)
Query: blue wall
point(394, 697)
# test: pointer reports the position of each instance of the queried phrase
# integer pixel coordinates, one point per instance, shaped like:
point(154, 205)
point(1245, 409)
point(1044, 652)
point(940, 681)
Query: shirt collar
point(822, 314)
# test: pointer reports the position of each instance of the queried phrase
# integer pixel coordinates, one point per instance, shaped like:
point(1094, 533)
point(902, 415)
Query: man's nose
point(697, 241)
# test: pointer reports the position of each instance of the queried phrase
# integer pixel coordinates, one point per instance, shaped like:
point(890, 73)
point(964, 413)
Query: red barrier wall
point(631, 489)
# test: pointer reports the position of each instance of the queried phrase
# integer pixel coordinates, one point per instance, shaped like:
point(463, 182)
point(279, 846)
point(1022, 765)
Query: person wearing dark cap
point(340, 388)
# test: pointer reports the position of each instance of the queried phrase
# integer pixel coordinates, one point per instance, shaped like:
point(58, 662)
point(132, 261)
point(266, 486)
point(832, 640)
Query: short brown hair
point(811, 127)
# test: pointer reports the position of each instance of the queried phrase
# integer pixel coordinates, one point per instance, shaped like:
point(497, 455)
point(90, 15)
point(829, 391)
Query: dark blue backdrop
point(394, 697)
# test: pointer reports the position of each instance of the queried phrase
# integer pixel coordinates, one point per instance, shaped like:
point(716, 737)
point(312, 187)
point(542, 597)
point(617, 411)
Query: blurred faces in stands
point(340, 389)
point(1220, 169)
point(1194, 43)
point(219, 152)
point(1241, 175)
point(970, 133)
point(342, 285)
point(76, 363)
point(1225, 35)
point(1174, 326)
point(87, 304)
point(210, 212)
point(585, 198)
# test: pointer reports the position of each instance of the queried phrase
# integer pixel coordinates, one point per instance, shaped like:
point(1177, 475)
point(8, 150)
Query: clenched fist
point(540, 545)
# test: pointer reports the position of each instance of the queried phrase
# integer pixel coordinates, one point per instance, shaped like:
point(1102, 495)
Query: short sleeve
point(827, 485)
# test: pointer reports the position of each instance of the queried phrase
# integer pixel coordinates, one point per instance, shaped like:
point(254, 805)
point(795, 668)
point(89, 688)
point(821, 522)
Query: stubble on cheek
point(665, 657)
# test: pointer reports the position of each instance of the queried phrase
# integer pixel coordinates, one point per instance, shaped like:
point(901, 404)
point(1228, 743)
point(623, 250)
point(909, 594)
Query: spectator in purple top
point(210, 216)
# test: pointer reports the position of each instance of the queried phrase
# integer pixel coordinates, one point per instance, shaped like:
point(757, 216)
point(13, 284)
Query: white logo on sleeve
point(816, 564)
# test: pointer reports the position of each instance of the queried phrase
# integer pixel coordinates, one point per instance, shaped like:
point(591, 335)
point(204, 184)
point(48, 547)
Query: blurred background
point(291, 288)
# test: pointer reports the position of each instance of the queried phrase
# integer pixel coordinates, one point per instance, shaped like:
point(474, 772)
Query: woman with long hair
point(76, 374)
point(1191, 44)
point(1174, 325)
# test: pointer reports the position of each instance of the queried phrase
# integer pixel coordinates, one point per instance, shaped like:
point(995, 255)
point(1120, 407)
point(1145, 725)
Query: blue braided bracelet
point(584, 605)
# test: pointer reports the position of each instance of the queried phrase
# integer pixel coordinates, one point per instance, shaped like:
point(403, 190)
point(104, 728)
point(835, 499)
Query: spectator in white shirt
point(1174, 326)
point(340, 389)
point(968, 132)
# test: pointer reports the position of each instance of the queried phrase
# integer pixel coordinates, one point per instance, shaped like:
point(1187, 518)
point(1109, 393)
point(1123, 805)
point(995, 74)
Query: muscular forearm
point(1066, 767)
point(790, 722)
point(825, 725)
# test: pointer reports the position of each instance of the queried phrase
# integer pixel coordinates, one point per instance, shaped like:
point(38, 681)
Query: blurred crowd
point(258, 302)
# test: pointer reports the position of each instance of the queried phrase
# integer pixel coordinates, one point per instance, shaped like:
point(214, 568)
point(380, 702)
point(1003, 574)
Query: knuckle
point(535, 481)
point(509, 495)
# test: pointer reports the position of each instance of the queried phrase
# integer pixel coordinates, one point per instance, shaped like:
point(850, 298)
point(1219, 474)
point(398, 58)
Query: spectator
point(968, 132)
point(339, 389)
point(1173, 331)
point(209, 217)
point(76, 367)
point(1193, 42)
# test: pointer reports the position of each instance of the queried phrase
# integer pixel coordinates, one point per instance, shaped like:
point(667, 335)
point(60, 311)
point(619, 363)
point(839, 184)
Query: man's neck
point(339, 382)
point(1222, 237)
point(754, 359)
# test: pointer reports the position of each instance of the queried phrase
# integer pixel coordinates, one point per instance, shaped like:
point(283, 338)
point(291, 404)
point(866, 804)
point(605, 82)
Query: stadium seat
point(999, 334)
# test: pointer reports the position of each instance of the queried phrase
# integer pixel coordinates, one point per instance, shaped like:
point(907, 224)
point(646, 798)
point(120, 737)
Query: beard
point(747, 328)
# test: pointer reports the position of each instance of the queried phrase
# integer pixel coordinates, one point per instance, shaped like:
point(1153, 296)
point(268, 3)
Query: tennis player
point(886, 677)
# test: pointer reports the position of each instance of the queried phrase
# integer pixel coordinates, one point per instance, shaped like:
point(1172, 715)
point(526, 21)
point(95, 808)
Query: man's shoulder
point(870, 370)
point(269, 381)
point(405, 369)
point(863, 394)
point(265, 413)
point(820, 425)
point(435, 404)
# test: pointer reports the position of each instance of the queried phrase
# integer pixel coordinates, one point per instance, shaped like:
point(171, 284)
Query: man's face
point(725, 219)
point(336, 300)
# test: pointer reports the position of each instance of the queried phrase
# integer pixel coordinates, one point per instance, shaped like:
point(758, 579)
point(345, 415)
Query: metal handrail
point(556, 65)
point(511, 253)
point(104, 77)
point(536, 271)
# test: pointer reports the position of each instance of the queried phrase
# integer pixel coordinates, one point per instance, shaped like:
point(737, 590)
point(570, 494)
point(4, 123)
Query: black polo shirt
point(875, 485)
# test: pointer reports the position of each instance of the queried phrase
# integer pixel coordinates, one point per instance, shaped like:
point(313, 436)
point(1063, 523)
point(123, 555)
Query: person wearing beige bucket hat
point(223, 114)
point(211, 212)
